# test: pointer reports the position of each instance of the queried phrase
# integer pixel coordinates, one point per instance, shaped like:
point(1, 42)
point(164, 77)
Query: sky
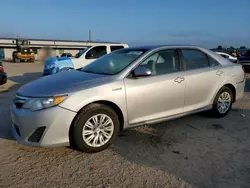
point(207, 23)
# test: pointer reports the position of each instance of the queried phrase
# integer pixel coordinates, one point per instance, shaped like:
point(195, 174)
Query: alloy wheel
point(98, 130)
point(224, 102)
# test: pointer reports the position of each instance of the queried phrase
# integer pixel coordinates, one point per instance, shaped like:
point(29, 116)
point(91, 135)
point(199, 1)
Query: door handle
point(219, 72)
point(179, 79)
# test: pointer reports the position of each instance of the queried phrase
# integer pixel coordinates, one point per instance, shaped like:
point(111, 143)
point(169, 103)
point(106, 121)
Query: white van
point(81, 59)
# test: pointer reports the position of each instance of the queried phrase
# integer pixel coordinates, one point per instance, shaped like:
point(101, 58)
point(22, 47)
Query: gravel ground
point(194, 151)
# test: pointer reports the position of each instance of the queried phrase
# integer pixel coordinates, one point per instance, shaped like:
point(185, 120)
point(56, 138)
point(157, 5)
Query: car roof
point(152, 47)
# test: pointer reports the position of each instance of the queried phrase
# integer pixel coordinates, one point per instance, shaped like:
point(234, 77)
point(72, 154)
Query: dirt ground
point(194, 151)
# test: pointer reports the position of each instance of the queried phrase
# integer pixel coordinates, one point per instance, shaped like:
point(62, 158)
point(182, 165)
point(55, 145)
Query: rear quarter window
point(113, 48)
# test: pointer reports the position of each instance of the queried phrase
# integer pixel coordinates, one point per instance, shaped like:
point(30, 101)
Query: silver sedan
point(88, 107)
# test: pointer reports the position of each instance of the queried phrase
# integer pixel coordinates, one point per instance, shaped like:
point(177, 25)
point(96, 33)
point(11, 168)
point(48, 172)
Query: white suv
point(81, 59)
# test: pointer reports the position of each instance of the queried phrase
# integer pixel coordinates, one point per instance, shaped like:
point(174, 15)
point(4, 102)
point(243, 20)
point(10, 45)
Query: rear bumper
point(240, 87)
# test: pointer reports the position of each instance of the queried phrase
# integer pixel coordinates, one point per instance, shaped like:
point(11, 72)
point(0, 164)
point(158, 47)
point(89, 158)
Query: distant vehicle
point(81, 59)
point(244, 59)
point(135, 86)
point(66, 55)
point(3, 75)
point(23, 52)
point(229, 57)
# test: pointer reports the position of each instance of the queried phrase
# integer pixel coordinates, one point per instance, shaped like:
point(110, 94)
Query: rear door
point(203, 77)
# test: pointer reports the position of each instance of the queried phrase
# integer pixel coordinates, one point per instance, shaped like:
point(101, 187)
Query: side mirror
point(141, 72)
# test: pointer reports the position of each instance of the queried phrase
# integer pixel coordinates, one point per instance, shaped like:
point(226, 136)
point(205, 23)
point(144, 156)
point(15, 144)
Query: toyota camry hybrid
point(88, 107)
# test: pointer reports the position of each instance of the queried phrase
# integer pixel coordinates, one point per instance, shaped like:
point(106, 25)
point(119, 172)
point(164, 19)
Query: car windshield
point(114, 62)
point(79, 54)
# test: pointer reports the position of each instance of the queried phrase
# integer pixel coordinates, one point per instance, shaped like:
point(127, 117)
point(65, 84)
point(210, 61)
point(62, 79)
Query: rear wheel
point(95, 128)
point(222, 102)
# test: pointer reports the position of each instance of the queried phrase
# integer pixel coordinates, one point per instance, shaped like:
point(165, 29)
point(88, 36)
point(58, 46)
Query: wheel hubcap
point(98, 130)
point(224, 102)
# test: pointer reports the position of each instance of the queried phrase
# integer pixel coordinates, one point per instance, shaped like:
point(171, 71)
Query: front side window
point(163, 62)
point(114, 62)
point(96, 52)
point(194, 59)
point(79, 54)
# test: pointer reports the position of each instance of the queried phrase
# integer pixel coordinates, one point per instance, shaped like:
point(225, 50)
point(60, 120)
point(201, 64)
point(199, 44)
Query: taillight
point(1, 68)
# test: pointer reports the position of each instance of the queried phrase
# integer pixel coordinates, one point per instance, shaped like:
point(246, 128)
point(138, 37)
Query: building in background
point(8, 46)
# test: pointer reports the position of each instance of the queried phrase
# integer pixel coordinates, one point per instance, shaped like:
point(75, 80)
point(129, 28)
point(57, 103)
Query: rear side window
point(113, 48)
point(194, 59)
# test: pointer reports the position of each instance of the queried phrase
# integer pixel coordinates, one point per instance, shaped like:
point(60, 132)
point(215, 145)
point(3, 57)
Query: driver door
point(159, 95)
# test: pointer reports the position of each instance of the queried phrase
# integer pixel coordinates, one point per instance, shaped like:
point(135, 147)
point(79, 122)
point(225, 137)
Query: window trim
point(130, 75)
point(93, 48)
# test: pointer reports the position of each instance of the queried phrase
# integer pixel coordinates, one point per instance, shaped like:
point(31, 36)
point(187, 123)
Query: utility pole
point(89, 35)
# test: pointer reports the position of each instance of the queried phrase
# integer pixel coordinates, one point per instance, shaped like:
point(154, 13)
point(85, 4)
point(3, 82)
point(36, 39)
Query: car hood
point(61, 83)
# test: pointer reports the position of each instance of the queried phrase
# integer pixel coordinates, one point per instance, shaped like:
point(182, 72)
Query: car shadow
point(198, 149)
point(10, 88)
point(201, 151)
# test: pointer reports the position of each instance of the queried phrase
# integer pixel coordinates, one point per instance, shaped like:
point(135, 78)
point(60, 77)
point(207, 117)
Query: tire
point(79, 141)
point(216, 112)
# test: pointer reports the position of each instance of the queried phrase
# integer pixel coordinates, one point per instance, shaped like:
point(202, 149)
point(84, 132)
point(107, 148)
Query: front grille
point(37, 135)
point(19, 101)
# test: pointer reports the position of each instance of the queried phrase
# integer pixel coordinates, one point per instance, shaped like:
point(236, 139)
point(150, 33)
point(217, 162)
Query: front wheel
point(95, 128)
point(222, 102)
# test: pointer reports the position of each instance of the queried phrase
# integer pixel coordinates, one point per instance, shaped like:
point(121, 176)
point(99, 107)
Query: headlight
point(35, 104)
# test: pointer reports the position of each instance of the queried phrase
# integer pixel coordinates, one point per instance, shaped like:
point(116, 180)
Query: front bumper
point(46, 128)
